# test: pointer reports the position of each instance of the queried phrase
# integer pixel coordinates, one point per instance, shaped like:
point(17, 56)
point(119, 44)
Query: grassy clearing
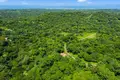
point(6, 29)
point(87, 36)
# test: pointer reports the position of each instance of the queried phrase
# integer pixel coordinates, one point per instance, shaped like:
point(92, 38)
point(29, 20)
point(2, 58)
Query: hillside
point(31, 47)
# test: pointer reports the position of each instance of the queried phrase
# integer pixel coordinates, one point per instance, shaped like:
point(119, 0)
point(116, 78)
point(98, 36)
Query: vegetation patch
point(84, 36)
point(6, 29)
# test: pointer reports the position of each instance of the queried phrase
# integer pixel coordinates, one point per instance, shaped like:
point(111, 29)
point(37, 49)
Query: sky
point(114, 3)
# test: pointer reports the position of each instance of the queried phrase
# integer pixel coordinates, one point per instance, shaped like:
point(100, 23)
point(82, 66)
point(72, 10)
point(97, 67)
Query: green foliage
point(31, 43)
point(85, 75)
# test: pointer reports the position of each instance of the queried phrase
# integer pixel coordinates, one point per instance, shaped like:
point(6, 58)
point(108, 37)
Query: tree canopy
point(31, 43)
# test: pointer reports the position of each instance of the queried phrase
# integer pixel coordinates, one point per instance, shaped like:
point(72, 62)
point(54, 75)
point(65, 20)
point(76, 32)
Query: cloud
point(3, 0)
point(81, 0)
point(59, 4)
point(24, 3)
point(89, 2)
point(85, 1)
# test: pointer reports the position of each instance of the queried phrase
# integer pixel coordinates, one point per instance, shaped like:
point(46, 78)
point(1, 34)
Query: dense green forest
point(59, 44)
